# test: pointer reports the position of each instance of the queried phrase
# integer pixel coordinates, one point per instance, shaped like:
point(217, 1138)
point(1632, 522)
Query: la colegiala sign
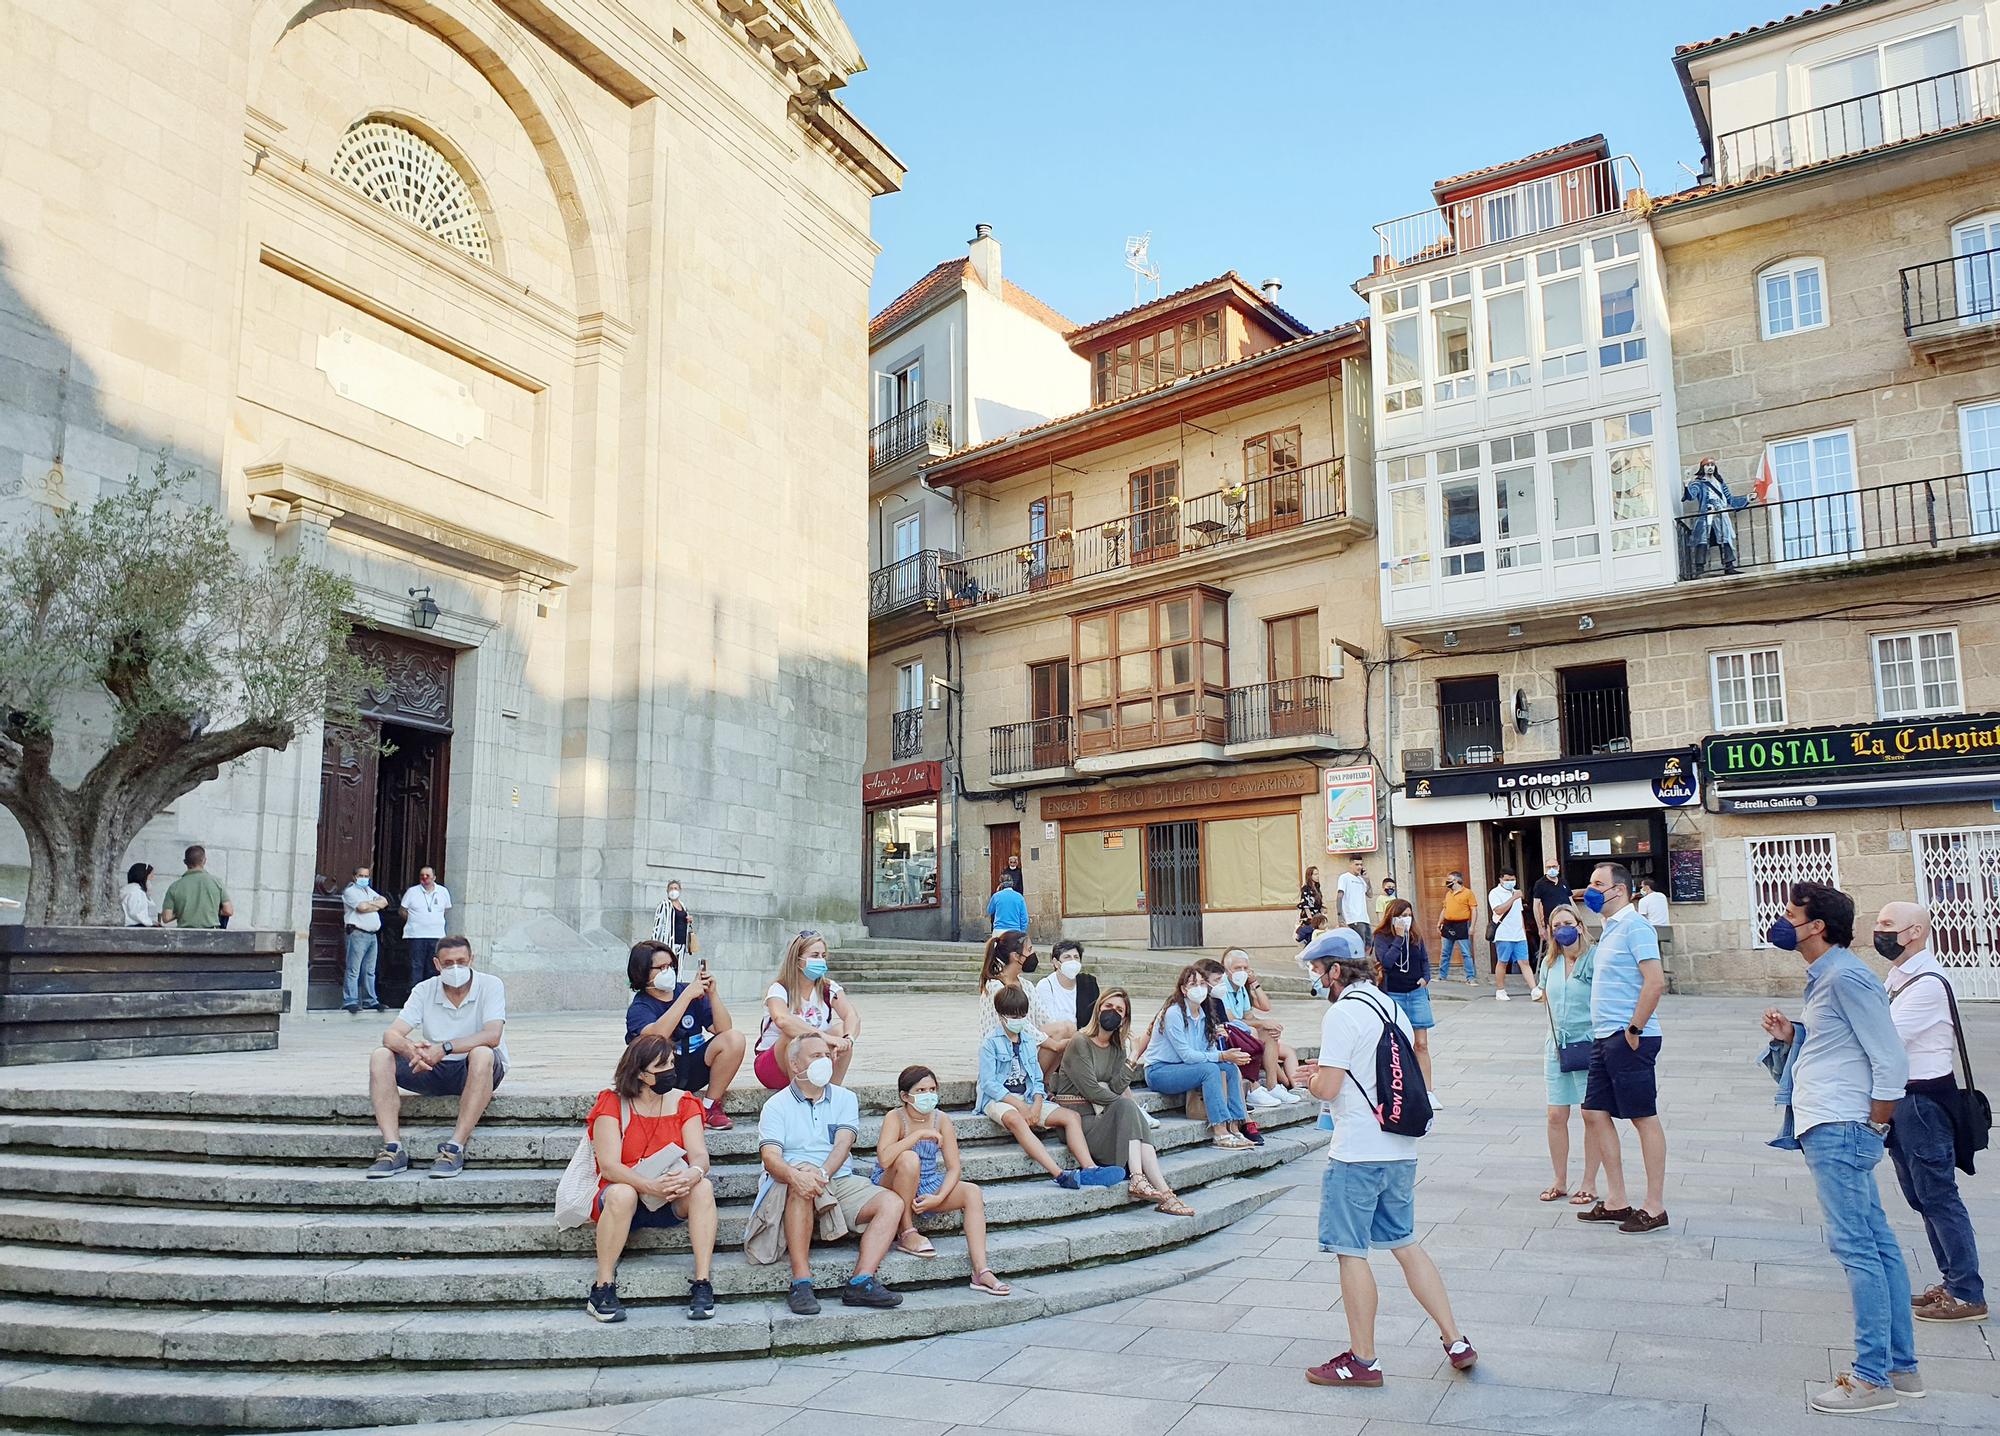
point(1569, 784)
point(1869, 750)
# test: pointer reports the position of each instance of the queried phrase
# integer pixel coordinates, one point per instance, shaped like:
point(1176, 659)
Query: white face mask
point(664, 979)
point(457, 975)
point(1402, 924)
point(1240, 977)
point(1198, 993)
point(819, 1071)
point(673, 894)
point(1070, 968)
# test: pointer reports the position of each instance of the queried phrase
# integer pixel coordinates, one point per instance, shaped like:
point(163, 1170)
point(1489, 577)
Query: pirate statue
point(1713, 527)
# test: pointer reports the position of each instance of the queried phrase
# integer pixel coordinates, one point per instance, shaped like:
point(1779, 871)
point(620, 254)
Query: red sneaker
point(1346, 1369)
point(1460, 1354)
point(715, 1118)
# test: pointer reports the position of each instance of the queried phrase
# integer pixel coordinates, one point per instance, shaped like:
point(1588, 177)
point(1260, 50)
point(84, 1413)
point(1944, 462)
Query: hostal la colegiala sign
point(1927, 744)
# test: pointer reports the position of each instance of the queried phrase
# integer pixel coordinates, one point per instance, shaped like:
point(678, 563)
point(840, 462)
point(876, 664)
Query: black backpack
point(1402, 1105)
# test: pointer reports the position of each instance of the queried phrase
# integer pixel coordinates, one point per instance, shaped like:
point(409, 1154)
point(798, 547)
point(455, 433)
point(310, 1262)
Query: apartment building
point(961, 357)
point(1148, 690)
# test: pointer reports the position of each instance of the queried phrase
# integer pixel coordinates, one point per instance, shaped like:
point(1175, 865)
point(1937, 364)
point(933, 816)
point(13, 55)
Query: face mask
point(1240, 977)
point(1567, 936)
point(815, 968)
point(1783, 935)
point(1550, 873)
point(1319, 987)
point(363, 882)
point(1388, 891)
point(664, 979)
point(1070, 968)
point(925, 1102)
point(457, 975)
point(819, 1071)
point(1507, 883)
point(663, 1081)
point(1593, 899)
point(1198, 993)
point(1402, 924)
point(1110, 1020)
point(1031, 962)
point(673, 894)
point(1014, 1024)
point(1889, 945)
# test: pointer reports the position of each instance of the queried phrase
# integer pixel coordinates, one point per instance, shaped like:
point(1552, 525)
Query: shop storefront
point(903, 832)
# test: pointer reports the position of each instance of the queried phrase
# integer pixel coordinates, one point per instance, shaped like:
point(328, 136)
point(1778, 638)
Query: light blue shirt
point(1001, 1057)
point(1848, 1051)
point(1008, 911)
point(804, 1131)
point(1180, 1038)
point(1627, 941)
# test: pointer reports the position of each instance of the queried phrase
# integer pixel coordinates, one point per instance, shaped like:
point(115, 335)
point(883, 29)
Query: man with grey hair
point(1923, 1141)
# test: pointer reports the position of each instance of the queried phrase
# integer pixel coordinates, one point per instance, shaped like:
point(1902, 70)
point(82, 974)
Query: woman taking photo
point(639, 1116)
point(804, 999)
point(1566, 972)
point(1406, 975)
point(1312, 903)
point(916, 1157)
point(1097, 1067)
point(1187, 1051)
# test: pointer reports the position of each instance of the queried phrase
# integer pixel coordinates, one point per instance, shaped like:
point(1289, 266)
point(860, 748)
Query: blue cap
point(1336, 944)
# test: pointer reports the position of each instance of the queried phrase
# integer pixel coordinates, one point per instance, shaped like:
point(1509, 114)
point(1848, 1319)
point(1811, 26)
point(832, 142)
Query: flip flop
point(987, 1284)
point(925, 1249)
point(1554, 1194)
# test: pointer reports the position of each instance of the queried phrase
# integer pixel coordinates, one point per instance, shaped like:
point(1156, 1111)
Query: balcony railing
point(1503, 216)
point(1166, 531)
point(1471, 733)
point(923, 427)
point(1867, 122)
point(1289, 708)
point(1038, 744)
point(906, 735)
point(1911, 519)
point(1951, 294)
point(908, 584)
point(1596, 720)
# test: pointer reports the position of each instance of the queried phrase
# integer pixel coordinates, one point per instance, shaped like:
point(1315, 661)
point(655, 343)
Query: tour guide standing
point(424, 907)
point(1923, 1141)
point(1367, 1198)
point(361, 917)
point(1625, 992)
point(1841, 1070)
point(672, 923)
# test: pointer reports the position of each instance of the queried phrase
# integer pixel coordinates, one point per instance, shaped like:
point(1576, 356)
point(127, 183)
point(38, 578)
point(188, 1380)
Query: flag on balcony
point(1765, 479)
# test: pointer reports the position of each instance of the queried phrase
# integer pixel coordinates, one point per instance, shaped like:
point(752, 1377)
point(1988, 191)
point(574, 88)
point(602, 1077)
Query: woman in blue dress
point(916, 1156)
point(1566, 971)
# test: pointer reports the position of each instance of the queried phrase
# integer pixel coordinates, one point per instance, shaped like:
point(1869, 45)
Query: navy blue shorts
point(447, 1079)
point(642, 1215)
point(1621, 1081)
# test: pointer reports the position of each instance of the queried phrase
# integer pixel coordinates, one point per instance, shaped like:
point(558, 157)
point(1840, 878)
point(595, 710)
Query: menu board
point(1686, 882)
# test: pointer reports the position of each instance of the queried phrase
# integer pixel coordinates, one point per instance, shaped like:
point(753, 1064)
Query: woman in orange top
point(660, 1115)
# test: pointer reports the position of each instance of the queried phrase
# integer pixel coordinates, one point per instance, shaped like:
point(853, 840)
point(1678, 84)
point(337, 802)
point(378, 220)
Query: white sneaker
point(1151, 1120)
point(1260, 1097)
point(1501, 997)
point(1290, 1098)
point(1535, 993)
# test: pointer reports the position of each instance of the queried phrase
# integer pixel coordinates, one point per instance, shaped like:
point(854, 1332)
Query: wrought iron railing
point(1470, 733)
point(1038, 744)
point(906, 735)
point(1596, 720)
point(1166, 531)
point(908, 583)
point(1289, 708)
point(1851, 127)
point(1502, 216)
point(1910, 519)
point(1947, 294)
point(924, 426)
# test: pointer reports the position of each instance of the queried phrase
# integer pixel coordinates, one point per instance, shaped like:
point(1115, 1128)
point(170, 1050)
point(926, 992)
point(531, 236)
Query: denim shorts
point(1622, 1081)
point(1505, 952)
point(1367, 1204)
point(1416, 1005)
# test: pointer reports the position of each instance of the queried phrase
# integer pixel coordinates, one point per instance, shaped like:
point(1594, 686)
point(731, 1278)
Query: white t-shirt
point(351, 898)
point(1053, 1002)
point(1353, 898)
point(432, 1016)
point(1512, 927)
point(816, 1014)
point(426, 911)
point(1653, 908)
point(137, 906)
point(1348, 1036)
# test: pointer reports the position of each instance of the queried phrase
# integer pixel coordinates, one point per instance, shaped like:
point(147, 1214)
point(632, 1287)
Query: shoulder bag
point(576, 1193)
point(1570, 1056)
point(1970, 1113)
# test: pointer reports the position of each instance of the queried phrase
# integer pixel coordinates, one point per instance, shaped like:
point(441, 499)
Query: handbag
point(576, 1193)
point(1570, 1056)
point(1970, 1113)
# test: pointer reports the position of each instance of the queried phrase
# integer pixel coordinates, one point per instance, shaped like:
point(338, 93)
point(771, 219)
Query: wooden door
point(1156, 526)
point(348, 770)
point(1048, 700)
point(1003, 841)
point(409, 834)
point(1291, 648)
point(1438, 851)
point(1048, 520)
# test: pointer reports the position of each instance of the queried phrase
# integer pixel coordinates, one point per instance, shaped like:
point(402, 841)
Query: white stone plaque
point(407, 390)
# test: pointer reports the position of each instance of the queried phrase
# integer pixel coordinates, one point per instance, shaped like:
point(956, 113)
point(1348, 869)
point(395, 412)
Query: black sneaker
point(701, 1301)
point(604, 1304)
point(801, 1300)
point(869, 1292)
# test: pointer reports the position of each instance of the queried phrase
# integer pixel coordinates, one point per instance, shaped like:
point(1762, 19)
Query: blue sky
point(1267, 138)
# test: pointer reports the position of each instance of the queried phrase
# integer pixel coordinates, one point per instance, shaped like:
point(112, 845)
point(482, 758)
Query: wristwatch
point(1635, 1031)
point(446, 1045)
point(1880, 1129)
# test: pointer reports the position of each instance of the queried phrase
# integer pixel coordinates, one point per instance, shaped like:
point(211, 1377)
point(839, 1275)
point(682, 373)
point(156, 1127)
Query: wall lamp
point(424, 611)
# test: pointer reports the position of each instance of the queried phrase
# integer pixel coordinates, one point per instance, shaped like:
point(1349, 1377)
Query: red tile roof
point(1227, 280)
point(1587, 142)
point(1748, 31)
point(949, 275)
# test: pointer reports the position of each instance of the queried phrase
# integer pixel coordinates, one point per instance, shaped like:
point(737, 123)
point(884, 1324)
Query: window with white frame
point(1635, 500)
point(1516, 526)
point(1402, 347)
point(1618, 299)
point(1451, 335)
point(1458, 499)
point(1775, 864)
point(1409, 521)
point(1559, 275)
point(1573, 485)
point(1791, 297)
point(1819, 513)
point(1505, 289)
point(1748, 685)
point(1916, 673)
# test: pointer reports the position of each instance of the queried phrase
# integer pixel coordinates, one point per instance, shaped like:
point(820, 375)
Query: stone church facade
point(549, 313)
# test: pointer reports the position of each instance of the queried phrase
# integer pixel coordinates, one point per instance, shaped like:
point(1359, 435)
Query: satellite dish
point(1520, 710)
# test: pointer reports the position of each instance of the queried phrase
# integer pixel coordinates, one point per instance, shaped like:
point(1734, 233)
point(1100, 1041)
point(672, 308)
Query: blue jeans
point(422, 952)
point(1221, 1086)
point(1842, 1157)
point(1471, 971)
point(357, 988)
point(1923, 1155)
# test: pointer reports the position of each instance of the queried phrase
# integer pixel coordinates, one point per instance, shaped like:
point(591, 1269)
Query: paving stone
point(1065, 1413)
point(1066, 1331)
point(925, 1398)
point(1533, 1412)
point(681, 1414)
point(1132, 1374)
point(1243, 1387)
point(1213, 1346)
point(1222, 1421)
point(1736, 1413)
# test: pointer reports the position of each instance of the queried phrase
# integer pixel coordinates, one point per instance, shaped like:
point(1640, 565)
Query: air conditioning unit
point(1419, 760)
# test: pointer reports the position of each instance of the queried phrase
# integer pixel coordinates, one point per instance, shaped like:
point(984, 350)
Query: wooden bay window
point(1152, 672)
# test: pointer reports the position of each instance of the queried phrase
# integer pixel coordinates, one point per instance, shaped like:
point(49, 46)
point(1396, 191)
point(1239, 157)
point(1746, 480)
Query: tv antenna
point(1138, 259)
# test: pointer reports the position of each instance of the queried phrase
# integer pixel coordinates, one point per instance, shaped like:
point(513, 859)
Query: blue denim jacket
point(997, 1055)
point(1854, 1050)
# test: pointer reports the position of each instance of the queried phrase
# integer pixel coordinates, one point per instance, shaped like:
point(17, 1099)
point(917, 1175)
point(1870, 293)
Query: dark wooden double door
point(382, 793)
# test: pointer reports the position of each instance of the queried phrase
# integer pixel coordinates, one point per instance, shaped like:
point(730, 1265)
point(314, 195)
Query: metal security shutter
point(1775, 864)
point(1958, 879)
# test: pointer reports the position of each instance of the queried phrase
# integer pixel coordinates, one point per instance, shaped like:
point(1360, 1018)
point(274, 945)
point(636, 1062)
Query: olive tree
point(140, 652)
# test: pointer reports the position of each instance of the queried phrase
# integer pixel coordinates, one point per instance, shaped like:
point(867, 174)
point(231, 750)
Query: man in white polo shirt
point(446, 1043)
point(361, 918)
point(424, 907)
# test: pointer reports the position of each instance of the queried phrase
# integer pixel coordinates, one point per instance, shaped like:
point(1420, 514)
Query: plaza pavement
point(1719, 1326)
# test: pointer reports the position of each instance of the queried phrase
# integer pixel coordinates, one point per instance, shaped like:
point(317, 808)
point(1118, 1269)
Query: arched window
point(1791, 297)
point(411, 178)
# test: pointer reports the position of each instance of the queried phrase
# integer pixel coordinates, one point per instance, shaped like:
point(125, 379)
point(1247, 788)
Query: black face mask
point(1889, 945)
point(663, 1081)
point(1030, 964)
point(1110, 1020)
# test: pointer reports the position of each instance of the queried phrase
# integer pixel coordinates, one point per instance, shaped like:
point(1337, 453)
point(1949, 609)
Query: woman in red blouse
point(655, 1115)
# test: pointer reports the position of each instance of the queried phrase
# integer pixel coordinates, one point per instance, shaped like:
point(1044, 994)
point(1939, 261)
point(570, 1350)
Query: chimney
point(1271, 288)
point(984, 251)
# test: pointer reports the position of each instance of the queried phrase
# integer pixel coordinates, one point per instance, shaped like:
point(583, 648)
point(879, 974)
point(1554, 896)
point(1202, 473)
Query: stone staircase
point(183, 1260)
point(883, 965)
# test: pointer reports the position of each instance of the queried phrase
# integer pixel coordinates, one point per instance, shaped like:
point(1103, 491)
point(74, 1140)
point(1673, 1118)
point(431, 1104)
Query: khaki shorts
point(996, 1110)
point(853, 1193)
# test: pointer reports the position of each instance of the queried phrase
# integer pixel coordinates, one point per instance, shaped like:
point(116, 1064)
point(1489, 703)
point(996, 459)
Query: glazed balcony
point(1846, 128)
point(1202, 524)
point(923, 428)
point(909, 585)
point(1510, 215)
point(1953, 304)
point(1906, 522)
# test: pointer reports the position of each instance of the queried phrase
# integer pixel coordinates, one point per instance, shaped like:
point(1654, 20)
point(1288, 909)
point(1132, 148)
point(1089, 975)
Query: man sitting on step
point(445, 1043)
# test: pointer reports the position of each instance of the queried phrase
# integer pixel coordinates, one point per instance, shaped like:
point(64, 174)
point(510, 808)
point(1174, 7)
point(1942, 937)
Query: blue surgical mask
point(363, 882)
point(1593, 899)
point(815, 968)
point(1783, 935)
point(925, 1102)
point(1567, 936)
point(1014, 1024)
point(1509, 884)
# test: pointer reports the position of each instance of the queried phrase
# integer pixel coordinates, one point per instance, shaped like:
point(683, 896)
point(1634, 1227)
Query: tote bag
point(576, 1193)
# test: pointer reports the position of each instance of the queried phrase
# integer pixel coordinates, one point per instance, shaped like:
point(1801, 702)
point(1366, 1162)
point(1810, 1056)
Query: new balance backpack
point(1402, 1105)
